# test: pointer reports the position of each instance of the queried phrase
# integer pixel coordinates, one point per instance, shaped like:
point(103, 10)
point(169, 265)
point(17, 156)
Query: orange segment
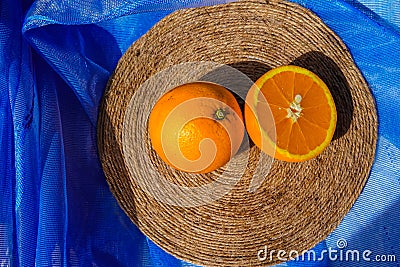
point(267, 121)
point(275, 95)
point(323, 119)
point(285, 82)
point(283, 130)
point(302, 84)
point(315, 97)
point(290, 114)
point(313, 133)
point(297, 141)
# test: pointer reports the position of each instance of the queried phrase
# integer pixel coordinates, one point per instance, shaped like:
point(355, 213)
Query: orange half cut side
point(290, 114)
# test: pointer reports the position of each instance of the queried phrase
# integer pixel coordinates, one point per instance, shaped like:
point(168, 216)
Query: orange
point(196, 127)
point(290, 114)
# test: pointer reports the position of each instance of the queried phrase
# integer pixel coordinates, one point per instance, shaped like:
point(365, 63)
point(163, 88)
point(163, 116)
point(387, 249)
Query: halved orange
point(290, 114)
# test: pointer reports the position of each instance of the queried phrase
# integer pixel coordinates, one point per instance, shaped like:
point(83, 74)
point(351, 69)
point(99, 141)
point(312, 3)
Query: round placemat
point(295, 205)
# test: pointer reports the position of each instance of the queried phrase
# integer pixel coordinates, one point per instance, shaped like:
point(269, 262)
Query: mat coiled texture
point(297, 204)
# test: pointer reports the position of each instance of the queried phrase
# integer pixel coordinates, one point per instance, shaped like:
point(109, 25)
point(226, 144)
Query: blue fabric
point(56, 57)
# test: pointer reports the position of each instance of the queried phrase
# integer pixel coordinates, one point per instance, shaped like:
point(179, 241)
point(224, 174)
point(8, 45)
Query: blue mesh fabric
point(55, 59)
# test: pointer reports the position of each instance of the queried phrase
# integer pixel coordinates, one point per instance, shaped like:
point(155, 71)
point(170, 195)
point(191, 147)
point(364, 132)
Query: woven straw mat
point(295, 205)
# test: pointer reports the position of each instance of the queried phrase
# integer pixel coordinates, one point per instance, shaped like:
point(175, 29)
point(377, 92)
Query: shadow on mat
point(337, 83)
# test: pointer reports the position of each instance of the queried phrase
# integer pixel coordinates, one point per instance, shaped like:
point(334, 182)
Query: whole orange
point(196, 127)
